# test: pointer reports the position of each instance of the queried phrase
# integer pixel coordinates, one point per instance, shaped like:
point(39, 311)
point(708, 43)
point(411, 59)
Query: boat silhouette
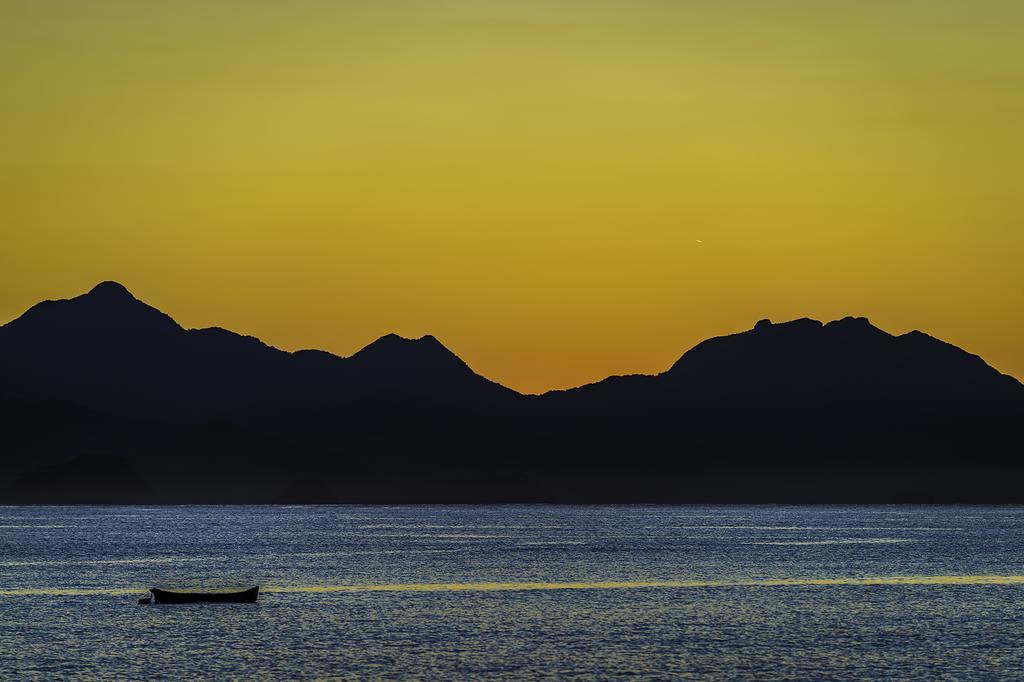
point(248, 596)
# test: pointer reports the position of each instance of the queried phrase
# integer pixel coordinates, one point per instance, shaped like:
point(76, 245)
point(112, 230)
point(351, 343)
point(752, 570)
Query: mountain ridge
point(110, 291)
point(790, 411)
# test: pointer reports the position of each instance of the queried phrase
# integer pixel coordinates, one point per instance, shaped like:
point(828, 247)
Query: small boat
point(168, 597)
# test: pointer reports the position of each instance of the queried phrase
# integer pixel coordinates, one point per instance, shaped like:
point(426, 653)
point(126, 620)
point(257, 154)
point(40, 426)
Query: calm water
point(495, 592)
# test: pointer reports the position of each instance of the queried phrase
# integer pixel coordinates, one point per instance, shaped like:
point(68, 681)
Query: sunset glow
point(557, 191)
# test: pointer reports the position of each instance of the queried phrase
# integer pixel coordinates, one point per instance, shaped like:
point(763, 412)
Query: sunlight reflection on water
point(495, 592)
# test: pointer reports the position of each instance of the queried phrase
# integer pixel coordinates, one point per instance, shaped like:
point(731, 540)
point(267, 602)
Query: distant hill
point(794, 412)
point(109, 351)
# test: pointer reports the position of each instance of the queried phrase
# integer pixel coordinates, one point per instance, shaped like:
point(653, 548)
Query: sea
point(515, 592)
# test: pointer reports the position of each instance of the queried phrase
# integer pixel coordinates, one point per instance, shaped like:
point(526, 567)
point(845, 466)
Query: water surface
point(531, 591)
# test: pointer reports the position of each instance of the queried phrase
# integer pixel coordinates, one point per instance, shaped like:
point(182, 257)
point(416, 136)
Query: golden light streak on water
point(542, 586)
point(845, 541)
point(641, 584)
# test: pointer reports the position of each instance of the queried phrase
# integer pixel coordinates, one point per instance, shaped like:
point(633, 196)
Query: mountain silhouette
point(797, 411)
point(109, 351)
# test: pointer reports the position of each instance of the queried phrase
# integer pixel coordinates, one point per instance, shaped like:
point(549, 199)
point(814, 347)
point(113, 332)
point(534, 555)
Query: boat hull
point(167, 597)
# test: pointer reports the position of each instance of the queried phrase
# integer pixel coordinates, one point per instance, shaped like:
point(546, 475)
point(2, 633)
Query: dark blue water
point(526, 592)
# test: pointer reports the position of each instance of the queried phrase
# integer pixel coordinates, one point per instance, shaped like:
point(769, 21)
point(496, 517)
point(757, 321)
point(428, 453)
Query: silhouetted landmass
point(86, 479)
point(106, 399)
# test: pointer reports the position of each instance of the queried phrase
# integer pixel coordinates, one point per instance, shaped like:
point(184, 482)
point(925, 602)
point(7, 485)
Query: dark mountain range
point(109, 351)
point(104, 398)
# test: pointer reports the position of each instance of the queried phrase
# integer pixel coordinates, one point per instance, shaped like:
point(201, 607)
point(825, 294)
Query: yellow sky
point(559, 190)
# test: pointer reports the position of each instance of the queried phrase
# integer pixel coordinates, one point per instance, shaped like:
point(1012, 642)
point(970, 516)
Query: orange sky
point(558, 190)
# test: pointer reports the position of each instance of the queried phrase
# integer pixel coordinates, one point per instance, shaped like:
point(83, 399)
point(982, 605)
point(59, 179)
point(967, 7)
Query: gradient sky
point(559, 190)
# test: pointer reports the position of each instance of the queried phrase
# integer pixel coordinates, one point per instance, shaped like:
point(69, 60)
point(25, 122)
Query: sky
point(558, 190)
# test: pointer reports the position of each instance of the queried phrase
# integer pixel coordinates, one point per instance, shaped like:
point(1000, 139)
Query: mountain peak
point(856, 329)
point(851, 322)
point(110, 290)
point(803, 324)
point(108, 310)
point(391, 345)
point(395, 359)
point(774, 344)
